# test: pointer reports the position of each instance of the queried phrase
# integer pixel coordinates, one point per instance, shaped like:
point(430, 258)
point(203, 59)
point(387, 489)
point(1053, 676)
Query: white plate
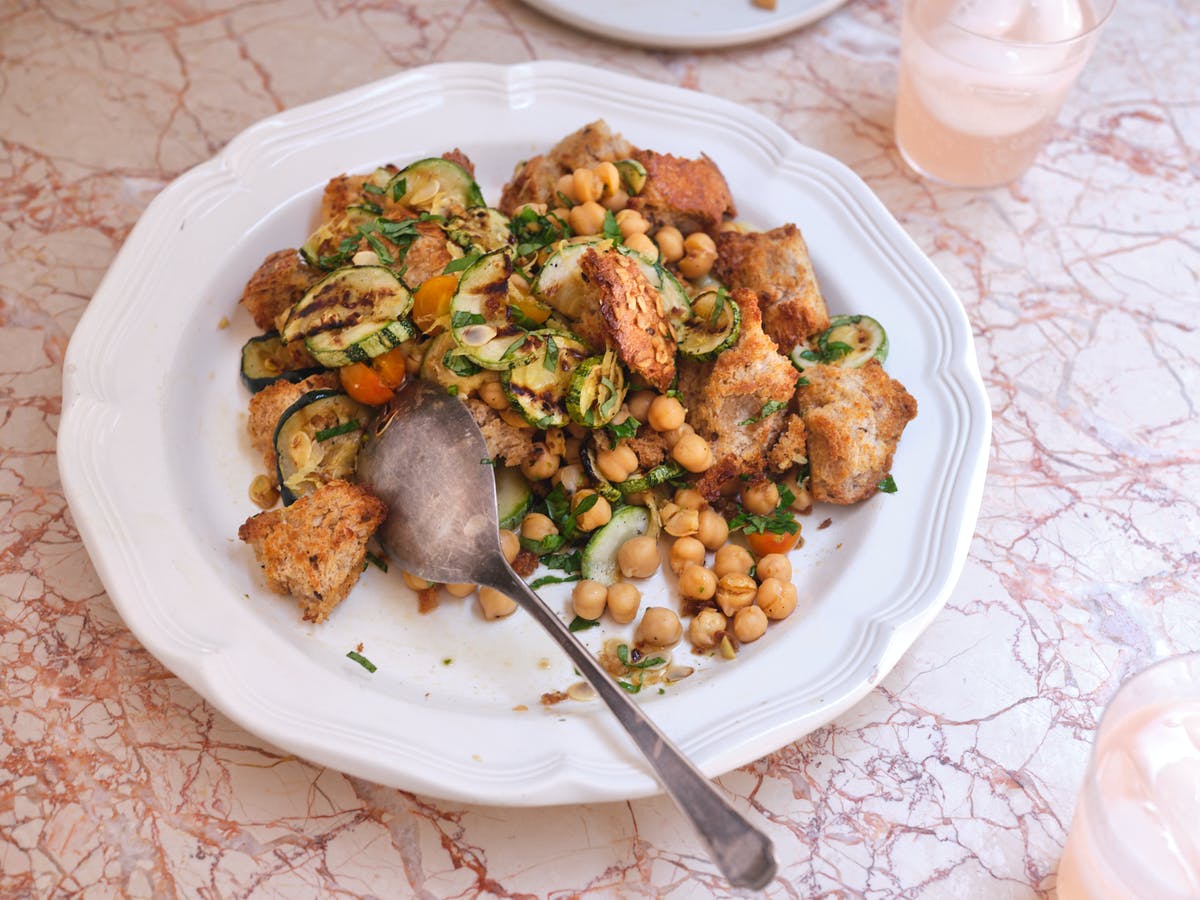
point(155, 462)
point(685, 24)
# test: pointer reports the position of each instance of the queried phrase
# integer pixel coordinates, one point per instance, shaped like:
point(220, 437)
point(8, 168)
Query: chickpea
point(705, 629)
point(749, 624)
point(460, 590)
point(598, 514)
point(542, 465)
point(680, 522)
point(642, 245)
point(555, 442)
point(760, 498)
point(494, 604)
point(735, 591)
point(492, 393)
point(684, 552)
point(618, 463)
point(714, 530)
point(697, 582)
point(659, 628)
point(666, 413)
point(586, 186)
point(414, 583)
point(639, 404)
point(690, 498)
point(774, 598)
point(638, 557)
point(588, 599)
point(699, 242)
point(639, 498)
point(535, 527)
point(609, 177)
point(733, 559)
point(624, 599)
point(587, 218)
point(538, 209)
point(670, 243)
point(632, 222)
point(617, 202)
point(566, 186)
point(694, 268)
point(693, 453)
point(671, 438)
point(774, 565)
point(510, 544)
point(562, 213)
point(803, 497)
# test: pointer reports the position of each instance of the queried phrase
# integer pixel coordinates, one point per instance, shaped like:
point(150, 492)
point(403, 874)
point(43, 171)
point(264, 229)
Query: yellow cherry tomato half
point(363, 383)
point(768, 542)
point(431, 303)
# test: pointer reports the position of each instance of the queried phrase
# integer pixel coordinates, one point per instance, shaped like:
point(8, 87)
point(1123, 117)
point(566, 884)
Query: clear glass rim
point(1104, 10)
point(1090, 789)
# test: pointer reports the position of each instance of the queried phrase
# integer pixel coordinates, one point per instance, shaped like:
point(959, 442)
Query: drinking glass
point(982, 81)
point(1136, 829)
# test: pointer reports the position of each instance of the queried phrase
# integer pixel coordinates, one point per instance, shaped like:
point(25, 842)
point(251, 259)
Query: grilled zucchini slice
point(599, 557)
point(346, 297)
point(266, 359)
point(560, 283)
point(480, 230)
point(323, 248)
point(437, 186)
point(597, 390)
point(446, 364)
point(676, 304)
point(480, 321)
point(317, 440)
point(864, 337)
point(603, 486)
point(538, 388)
point(633, 174)
point(660, 474)
point(358, 343)
point(513, 497)
point(713, 326)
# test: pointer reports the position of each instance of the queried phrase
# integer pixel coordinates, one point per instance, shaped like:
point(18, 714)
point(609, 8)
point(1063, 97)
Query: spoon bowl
point(427, 460)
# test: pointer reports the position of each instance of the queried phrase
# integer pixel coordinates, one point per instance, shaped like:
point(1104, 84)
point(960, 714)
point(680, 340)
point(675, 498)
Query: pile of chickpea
point(593, 192)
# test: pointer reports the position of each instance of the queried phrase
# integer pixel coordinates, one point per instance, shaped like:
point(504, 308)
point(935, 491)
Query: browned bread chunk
point(690, 194)
point(315, 549)
point(507, 442)
point(534, 180)
point(276, 286)
point(791, 447)
point(733, 388)
point(269, 404)
point(853, 419)
point(628, 315)
point(776, 266)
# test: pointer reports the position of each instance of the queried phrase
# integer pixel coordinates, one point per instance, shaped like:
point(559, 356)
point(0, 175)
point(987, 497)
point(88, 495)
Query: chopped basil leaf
point(459, 364)
point(612, 231)
point(487, 461)
point(452, 390)
point(550, 360)
point(887, 485)
point(768, 409)
point(463, 262)
point(361, 660)
point(548, 544)
point(334, 430)
point(553, 579)
point(632, 688)
point(579, 623)
point(462, 319)
point(399, 188)
point(623, 430)
point(570, 561)
point(378, 561)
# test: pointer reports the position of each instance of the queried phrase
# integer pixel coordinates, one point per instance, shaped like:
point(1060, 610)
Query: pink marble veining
point(955, 778)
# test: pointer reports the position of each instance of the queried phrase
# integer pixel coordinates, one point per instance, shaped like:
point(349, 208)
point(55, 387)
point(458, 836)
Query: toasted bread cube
point(690, 194)
point(276, 286)
point(724, 395)
point(791, 449)
point(504, 441)
point(775, 265)
point(853, 419)
point(315, 549)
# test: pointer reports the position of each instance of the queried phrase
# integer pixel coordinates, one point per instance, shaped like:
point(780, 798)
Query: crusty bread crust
point(315, 549)
point(775, 265)
point(276, 286)
point(690, 194)
point(791, 447)
point(504, 441)
point(853, 419)
point(631, 316)
point(269, 404)
point(733, 388)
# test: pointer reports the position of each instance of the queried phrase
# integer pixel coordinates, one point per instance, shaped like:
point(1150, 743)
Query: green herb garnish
point(579, 623)
point(887, 485)
point(459, 364)
point(378, 561)
point(361, 660)
point(334, 430)
point(621, 431)
point(550, 360)
point(768, 409)
point(647, 663)
point(553, 579)
point(781, 521)
point(463, 262)
point(462, 319)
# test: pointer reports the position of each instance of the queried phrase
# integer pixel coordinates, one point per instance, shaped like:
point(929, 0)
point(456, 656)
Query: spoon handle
point(742, 852)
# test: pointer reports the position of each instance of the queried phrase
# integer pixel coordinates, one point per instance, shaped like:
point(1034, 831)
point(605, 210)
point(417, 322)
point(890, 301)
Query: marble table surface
point(956, 777)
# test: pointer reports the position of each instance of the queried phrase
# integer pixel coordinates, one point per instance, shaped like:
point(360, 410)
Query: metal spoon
point(426, 461)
